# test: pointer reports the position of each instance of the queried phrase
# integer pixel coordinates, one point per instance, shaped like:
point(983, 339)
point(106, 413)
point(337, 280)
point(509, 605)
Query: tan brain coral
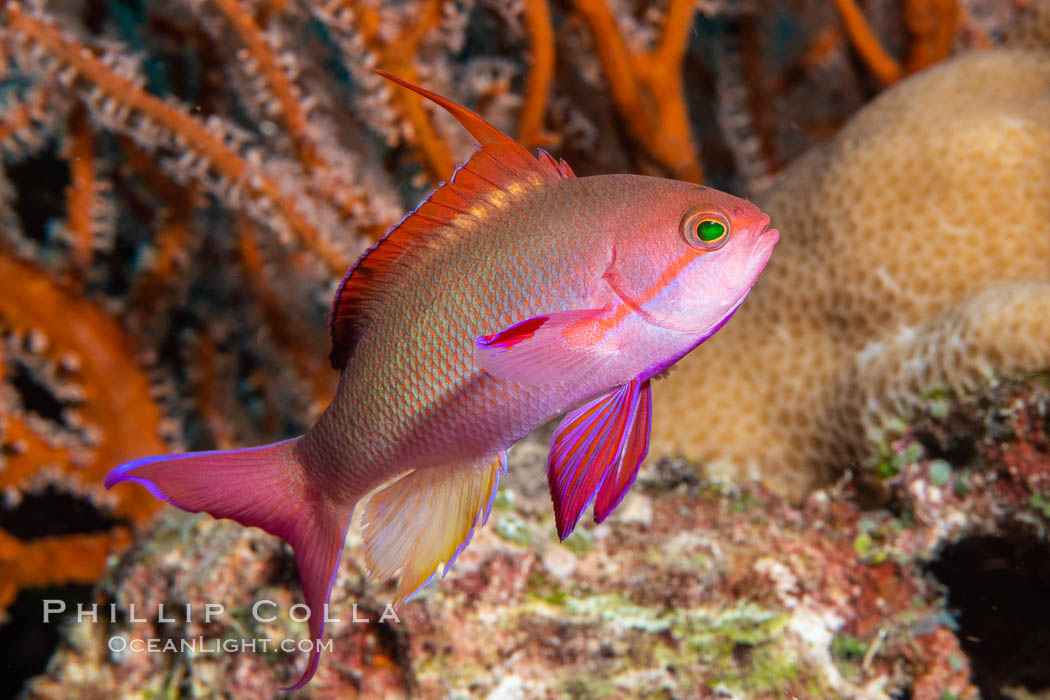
point(915, 251)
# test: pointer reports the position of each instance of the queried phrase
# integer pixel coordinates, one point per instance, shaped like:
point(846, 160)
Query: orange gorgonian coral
point(103, 413)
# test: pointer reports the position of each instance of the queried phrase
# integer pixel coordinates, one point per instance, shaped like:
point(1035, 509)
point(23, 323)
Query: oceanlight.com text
point(201, 645)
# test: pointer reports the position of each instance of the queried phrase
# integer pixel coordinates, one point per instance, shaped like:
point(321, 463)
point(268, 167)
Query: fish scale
point(515, 298)
point(510, 295)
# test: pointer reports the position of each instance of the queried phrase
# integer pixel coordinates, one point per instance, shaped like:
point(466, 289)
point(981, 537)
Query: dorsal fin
point(498, 171)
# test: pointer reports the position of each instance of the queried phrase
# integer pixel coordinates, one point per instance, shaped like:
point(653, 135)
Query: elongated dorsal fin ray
point(485, 133)
point(497, 173)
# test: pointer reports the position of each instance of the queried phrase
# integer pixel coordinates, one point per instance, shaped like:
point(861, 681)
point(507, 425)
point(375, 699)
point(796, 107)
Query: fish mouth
point(765, 240)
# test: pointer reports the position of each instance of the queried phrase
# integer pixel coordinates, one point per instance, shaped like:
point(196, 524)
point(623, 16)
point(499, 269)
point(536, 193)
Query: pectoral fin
point(549, 348)
point(597, 450)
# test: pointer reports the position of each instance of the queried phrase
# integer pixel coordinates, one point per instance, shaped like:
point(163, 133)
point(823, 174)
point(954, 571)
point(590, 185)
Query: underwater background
point(183, 184)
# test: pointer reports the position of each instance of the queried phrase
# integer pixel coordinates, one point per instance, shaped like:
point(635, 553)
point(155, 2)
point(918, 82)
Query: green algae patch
point(862, 544)
point(741, 647)
point(717, 635)
point(589, 687)
point(514, 530)
point(544, 589)
point(745, 623)
point(938, 400)
point(940, 472)
point(890, 463)
point(1040, 503)
point(579, 543)
point(620, 611)
point(846, 647)
point(938, 408)
point(743, 501)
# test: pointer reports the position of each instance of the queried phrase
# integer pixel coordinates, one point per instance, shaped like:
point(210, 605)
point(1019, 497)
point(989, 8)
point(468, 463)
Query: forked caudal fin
point(260, 487)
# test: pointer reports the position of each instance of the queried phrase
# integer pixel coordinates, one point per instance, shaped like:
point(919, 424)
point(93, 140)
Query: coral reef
point(182, 184)
point(187, 180)
point(691, 589)
point(914, 253)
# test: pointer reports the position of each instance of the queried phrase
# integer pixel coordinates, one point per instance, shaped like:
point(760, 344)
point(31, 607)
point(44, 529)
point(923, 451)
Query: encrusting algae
point(915, 253)
point(689, 590)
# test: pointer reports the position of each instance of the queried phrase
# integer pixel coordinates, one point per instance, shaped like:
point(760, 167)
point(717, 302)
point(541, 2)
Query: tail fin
point(261, 487)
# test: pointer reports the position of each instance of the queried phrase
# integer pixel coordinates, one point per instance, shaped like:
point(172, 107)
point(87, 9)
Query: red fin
point(559, 164)
point(497, 173)
point(510, 337)
point(634, 447)
point(258, 487)
point(537, 351)
point(597, 449)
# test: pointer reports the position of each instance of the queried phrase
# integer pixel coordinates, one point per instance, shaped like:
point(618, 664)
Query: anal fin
point(425, 519)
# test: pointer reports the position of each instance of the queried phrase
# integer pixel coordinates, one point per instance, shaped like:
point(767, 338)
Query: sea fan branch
point(647, 85)
point(123, 105)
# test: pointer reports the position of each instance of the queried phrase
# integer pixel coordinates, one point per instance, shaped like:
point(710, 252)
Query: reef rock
point(690, 589)
point(914, 253)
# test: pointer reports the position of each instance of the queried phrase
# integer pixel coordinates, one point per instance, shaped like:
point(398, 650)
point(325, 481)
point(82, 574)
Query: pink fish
point(512, 293)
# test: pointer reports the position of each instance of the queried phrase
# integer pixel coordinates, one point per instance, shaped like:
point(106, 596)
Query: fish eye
point(705, 229)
